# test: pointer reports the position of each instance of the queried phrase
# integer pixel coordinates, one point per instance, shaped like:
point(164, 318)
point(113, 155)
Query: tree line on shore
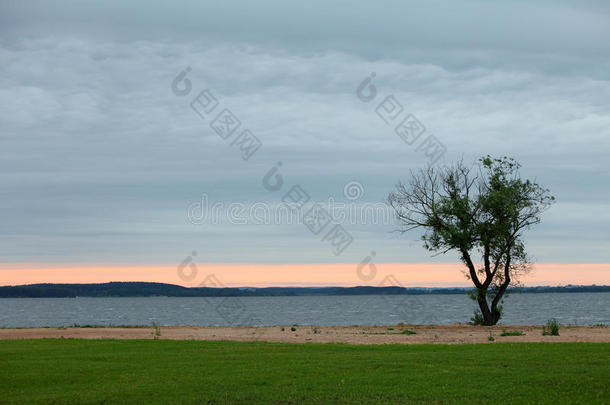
point(145, 289)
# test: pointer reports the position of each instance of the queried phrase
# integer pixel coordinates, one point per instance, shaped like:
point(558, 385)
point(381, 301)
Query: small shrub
point(601, 325)
point(390, 328)
point(156, 331)
point(490, 337)
point(292, 328)
point(408, 332)
point(551, 328)
point(511, 333)
point(477, 318)
point(282, 329)
point(316, 330)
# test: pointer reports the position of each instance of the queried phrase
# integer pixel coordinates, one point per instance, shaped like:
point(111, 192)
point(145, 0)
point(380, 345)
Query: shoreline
point(390, 334)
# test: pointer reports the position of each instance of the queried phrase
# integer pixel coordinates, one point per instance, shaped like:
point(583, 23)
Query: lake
point(519, 308)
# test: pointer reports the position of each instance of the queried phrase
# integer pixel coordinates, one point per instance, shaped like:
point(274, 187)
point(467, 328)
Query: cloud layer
point(100, 160)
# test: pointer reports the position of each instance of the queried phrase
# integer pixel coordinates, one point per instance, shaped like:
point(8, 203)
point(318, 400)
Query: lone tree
point(480, 213)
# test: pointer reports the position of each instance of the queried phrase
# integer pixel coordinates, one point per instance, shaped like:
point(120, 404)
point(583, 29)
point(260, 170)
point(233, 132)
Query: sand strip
point(452, 334)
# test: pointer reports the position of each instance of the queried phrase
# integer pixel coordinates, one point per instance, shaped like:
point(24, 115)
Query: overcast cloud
point(100, 160)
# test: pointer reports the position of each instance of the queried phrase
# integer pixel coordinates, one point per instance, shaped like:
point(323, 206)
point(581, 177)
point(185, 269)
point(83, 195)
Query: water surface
point(521, 308)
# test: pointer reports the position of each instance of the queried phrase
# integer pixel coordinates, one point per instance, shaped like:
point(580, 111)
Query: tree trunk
point(495, 312)
point(488, 315)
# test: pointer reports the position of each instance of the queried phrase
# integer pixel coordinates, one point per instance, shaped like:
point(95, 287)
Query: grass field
point(164, 371)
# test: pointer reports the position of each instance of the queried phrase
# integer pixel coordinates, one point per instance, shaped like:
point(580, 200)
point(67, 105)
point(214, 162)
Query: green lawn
point(163, 371)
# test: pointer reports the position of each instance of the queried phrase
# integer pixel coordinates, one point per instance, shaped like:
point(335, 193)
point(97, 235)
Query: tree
point(480, 211)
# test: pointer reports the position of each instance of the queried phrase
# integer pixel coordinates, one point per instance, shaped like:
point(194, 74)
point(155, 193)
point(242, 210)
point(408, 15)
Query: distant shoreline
point(145, 289)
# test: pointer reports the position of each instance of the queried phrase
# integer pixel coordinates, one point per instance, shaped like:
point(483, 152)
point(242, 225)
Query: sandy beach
point(448, 334)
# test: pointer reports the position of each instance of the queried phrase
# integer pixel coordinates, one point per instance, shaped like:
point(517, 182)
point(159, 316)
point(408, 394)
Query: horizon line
point(312, 274)
point(310, 286)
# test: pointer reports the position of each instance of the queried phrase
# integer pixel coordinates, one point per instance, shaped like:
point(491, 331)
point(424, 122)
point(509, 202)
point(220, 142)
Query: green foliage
point(156, 331)
point(408, 332)
point(551, 328)
point(292, 328)
point(477, 318)
point(490, 337)
point(477, 213)
point(511, 333)
point(62, 371)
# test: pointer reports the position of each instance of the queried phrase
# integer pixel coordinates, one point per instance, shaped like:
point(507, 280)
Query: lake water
point(524, 308)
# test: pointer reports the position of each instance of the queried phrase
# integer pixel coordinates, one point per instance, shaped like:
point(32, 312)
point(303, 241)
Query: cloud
point(100, 160)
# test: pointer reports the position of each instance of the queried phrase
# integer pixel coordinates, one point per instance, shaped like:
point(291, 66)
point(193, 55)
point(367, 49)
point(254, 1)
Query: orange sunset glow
point(262, 275)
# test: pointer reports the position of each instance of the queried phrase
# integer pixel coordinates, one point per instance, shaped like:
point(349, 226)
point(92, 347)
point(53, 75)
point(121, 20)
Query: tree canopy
point(480, 211)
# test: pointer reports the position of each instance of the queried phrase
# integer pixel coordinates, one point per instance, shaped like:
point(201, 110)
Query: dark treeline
point(142, 289)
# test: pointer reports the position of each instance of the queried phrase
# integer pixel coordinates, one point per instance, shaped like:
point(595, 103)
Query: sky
point(112, 168)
